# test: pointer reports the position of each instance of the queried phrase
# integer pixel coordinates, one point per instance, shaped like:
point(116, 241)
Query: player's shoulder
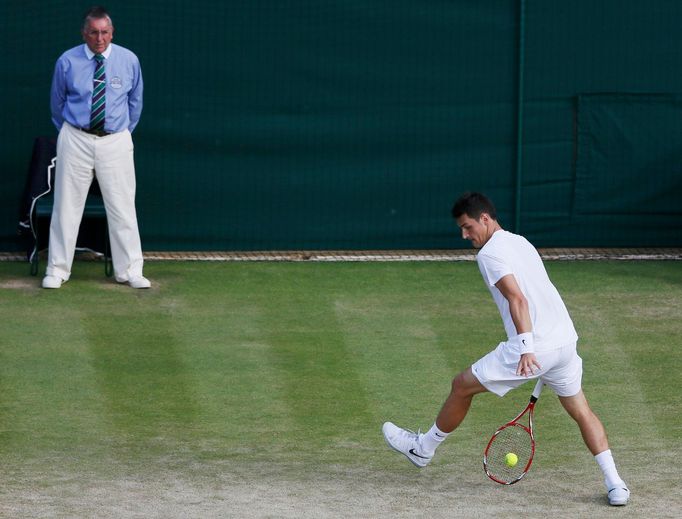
point(500, 240)
point(504, 246)
point(495, 249)
point(507, 239)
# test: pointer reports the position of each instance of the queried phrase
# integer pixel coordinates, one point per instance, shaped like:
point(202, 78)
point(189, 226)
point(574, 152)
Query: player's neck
point(492, 228)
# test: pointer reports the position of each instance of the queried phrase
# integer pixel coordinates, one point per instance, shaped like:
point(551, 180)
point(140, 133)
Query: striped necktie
point(98, 97)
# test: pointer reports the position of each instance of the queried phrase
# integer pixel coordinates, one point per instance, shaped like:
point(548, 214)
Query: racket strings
point(511, 439)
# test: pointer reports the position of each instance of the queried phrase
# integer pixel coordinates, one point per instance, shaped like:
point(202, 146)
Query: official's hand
point(528, 364)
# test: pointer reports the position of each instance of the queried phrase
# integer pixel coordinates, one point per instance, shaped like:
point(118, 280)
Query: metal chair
point(94, 208)
point(38, 202)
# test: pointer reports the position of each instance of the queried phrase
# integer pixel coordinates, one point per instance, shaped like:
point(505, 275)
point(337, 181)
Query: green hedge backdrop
point(316, 124)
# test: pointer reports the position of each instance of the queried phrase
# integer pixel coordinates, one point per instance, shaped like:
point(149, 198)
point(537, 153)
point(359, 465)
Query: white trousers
point(81, 157)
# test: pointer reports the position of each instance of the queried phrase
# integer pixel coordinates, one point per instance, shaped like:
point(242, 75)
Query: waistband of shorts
point(572, 344)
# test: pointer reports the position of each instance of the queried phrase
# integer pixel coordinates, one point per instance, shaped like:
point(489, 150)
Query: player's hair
point(473, 205)
point(96, 12)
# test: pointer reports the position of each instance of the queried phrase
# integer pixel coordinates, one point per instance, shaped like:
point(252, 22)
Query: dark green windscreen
point(355, 124)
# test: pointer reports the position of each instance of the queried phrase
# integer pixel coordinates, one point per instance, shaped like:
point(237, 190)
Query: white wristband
point(526, 342)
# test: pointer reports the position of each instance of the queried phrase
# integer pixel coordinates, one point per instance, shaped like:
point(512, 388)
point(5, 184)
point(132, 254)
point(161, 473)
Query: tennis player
point(541, 343)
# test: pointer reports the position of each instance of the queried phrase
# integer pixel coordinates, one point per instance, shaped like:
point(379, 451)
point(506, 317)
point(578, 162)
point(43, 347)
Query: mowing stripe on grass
point(244, 410)
point(274, 359)
point(139, 371)
point(315, 368)
point(394, 353)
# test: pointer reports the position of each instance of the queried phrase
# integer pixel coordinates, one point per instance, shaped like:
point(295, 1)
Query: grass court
point(259, 389)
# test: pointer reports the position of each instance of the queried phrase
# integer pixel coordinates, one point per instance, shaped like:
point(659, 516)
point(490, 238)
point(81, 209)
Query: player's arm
point(518, 308)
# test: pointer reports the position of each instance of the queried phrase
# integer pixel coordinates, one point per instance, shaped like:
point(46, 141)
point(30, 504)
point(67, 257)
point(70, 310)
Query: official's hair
point(96, 12)
point(473, 205)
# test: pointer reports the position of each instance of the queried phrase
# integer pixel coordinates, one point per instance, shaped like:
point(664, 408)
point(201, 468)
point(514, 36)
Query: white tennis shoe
point(407, 443)
point(52, 282)
point(619, 496)
point(139, 282)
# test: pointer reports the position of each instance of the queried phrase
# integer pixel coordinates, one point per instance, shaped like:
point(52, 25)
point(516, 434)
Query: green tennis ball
point(511, 459)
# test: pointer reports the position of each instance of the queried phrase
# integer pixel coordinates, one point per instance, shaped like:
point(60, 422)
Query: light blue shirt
point(72, 83)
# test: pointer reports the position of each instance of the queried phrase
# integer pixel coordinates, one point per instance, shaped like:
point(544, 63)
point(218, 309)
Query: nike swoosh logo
point(523, 341)
point(412, 451)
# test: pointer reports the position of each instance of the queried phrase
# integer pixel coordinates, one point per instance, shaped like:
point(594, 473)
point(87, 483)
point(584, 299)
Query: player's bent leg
point(594, 436)
point(591, 428)
point(419, 448)
point(454, 410)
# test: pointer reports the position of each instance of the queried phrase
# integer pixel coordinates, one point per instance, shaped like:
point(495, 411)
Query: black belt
point(98, 133)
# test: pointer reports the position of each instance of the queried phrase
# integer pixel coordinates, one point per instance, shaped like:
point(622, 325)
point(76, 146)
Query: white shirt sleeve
point(492, 269)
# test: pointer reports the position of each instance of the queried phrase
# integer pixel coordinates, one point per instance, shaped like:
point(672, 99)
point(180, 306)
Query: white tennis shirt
point(507, 253)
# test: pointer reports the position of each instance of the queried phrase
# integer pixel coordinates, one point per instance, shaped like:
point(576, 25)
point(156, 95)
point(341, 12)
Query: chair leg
point(35, 259)
point(108, 263)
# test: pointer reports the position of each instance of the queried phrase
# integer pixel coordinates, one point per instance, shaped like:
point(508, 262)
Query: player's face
point(97, 34)
point(478, 232)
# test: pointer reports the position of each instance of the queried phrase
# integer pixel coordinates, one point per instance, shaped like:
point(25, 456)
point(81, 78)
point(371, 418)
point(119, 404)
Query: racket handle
point(536, 392)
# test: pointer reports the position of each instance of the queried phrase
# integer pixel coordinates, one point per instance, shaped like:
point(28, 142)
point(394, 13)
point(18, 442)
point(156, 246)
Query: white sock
point(432, 439)
point(608, 467)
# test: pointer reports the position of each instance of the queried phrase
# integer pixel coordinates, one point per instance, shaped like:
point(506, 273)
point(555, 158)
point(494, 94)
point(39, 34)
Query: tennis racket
point(513, 438)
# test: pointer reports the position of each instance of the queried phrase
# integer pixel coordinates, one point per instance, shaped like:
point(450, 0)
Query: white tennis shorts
point(562, 369)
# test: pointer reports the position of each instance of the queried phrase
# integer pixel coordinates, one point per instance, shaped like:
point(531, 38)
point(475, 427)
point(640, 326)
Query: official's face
point(478, 232)
point(97, 34)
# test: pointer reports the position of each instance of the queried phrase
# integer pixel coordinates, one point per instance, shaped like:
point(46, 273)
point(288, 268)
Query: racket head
point(512, 437)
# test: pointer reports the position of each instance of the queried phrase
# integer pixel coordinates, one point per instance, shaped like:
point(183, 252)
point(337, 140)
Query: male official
point(96, 102)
